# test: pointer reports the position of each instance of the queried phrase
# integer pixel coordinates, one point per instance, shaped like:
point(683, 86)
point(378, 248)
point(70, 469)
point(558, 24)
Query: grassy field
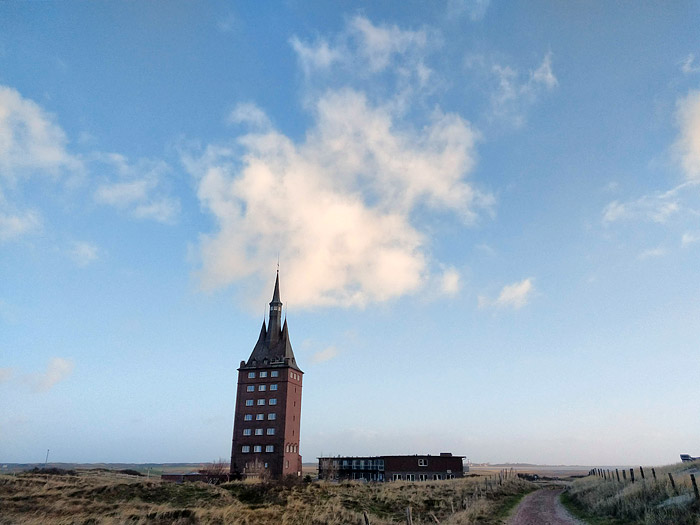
point(91, 497)
point(647, 501)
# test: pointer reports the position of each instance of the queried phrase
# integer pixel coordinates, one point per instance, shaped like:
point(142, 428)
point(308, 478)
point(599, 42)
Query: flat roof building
point(392, 468)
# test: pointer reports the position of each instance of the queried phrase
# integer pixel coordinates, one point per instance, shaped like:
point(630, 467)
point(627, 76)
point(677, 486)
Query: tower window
point(274, 373)
point(257, 448)
point(245, 449)
point(273, 401)
point(248, 417)
point(246, 432)
point(262, 402)
point(270, 431)
point(273, 387)
point(258, 431)
point(250, 388)
point(251, 375)
point(271, 416)
point(249, 402)
point(263, 374)
point(270, 448)
point(259, 417)
point(262, 388)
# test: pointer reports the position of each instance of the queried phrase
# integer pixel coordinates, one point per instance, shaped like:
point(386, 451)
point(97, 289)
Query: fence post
point(653, 473)
point(624, 475)
point(632, 474)
point(695, 486)
point(409, 517)
point(673, 483)
point(364, 513)
point(641, 470)
point(617, 473)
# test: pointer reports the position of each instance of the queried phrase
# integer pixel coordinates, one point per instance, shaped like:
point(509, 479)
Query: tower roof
point(273, 347)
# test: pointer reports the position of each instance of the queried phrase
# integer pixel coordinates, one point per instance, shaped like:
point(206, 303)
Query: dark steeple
point(273, 346)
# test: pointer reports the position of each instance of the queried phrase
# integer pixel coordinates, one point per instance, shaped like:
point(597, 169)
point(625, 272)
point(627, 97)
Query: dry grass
point(648, 501)
point(106, 499)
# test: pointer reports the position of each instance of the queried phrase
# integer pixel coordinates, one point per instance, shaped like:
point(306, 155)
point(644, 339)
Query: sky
point(486, 217)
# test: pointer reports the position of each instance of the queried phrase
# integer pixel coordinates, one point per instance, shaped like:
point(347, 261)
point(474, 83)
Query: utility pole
point(47, 458)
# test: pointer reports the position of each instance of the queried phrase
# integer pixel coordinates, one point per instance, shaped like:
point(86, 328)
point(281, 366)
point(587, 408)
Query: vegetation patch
point(649, 500)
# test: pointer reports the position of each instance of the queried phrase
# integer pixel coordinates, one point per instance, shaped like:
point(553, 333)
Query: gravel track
point(542, 507)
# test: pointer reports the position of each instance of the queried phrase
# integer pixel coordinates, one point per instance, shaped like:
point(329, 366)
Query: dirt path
point(542, 507)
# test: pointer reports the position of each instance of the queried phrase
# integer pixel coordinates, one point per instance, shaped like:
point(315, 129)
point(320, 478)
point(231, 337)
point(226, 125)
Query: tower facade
point(268, 404)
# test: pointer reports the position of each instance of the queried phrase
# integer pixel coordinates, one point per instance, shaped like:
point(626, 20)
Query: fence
point(609, 475)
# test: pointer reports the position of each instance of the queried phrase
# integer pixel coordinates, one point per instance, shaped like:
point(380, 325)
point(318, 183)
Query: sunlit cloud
point(514, 295)
point(30, 141)
point(474, 9)
point(326, 354)
point(136, 188)
point(249, 114)
point(689, 66)
point(688, 144)
point(57, 370)
point(450, 282)
point(340, 206)
point(5, 375)
point(15, 225)
point(652, 253)
point(690, 238)
point(83, 253)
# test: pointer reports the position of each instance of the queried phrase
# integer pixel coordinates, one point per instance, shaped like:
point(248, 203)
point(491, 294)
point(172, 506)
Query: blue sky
point(486, 216)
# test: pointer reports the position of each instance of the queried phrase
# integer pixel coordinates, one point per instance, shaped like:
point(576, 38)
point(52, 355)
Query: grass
point(647, 501)
point(98, 497)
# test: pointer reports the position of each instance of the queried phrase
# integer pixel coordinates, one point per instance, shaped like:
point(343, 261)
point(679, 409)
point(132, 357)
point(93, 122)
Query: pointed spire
point(276, 293)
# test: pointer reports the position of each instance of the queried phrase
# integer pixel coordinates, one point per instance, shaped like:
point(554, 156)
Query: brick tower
point(268, 404)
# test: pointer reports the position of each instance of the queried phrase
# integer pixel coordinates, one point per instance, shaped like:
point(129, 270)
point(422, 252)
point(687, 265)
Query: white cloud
point(688, 143)
point(14, 225)
point(57, 370)
point(513, 96)
point(250, 114)
point(652, 253)
point(338, 206)
point(688, 65)
point(30, 141)
point(514, 295)
point(84, 253)
point(137, 188)
point(450, 283)
point(657, 207)
point(5, 374)
point(324, 355)
point(475, 9)
point(690, 238)
point(315, 56)
point(394, 58)
point(380, 44)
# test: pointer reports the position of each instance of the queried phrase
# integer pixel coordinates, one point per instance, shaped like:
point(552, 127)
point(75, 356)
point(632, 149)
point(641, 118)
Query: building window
point(250, 388)
point(248, 417)
point(263, 374)
point(259, 417)
point(246, 432)
point(437, 476)
point(273, 387)
point(286, 464)
point(245, 449)
point(395, 477)
point(249, 402)
point(262, 388)
point(257, 448)
point(251, 375)
point(262, 402)
point(422, 462)
point(274, 373)
point(270, 431)
point(273, 401)
point(269, 448)
point(258, 432)
point(410, 477)
point(271, 416)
